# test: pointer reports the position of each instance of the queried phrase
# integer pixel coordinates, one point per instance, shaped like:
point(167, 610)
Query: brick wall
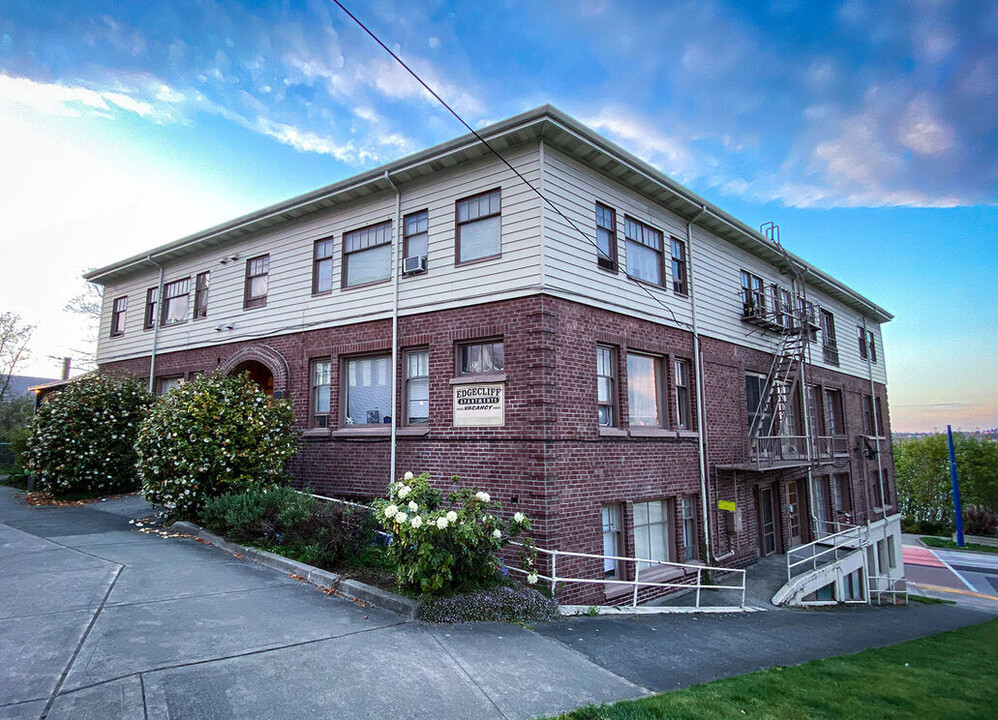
point(551, 459)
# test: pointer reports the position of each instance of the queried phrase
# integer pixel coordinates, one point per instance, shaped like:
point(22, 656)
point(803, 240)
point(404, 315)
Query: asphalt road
point(98, 620)
point(967, 578)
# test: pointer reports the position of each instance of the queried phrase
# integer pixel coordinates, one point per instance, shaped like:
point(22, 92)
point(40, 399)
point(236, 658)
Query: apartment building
point(565, 326)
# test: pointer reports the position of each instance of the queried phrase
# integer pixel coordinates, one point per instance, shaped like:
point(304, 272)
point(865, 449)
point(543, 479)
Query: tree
point(14, 338)
point(924, 486)
point(88, 306)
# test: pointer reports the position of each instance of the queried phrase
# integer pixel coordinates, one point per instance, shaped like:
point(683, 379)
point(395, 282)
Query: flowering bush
point(82, 439)
point(444, 545)
point(214, 435)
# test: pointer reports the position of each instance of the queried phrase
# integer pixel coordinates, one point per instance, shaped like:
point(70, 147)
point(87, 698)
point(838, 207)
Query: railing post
point(554, 571)
point(698, 588)
point(744, 582)
point(637, 571)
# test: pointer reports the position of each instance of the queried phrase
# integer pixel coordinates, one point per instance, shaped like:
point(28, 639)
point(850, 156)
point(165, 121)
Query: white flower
point(401, 517)
point(404, 491)
point(532, 578)
point(519, 517)
point(442, 522)
point(416, 522)
point(408, 476)
point(451, 516)
point(413, 506)
point(497, 533)
point(390, 511)
point(483, 496)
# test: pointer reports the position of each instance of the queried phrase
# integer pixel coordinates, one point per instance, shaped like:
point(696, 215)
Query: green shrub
point(294, 524)
point(446, 545)
point(978, 521)
point(213, 435)
point(83, 438)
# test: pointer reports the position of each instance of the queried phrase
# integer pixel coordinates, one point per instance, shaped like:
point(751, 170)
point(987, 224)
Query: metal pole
point(397, 236)
point(957, 507)
point(637, 571)
point(554, 571)
point(698, 587)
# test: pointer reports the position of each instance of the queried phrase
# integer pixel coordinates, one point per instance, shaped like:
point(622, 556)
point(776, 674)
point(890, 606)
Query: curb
point(351, 589)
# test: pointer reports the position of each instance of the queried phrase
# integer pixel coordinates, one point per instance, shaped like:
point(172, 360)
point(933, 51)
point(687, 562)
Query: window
point(871, 344)
point(852, 586)
point(829, 347)
point(652, 534)
point(416, 235)
point(689, 528)
point(786, 309)
point(878, 490)
point(879, 417)
point(322, 266)
point(753, 294)
point(368, 390)
point(679, 285)
point(150, 317)
point(367, 255)
point(892, 557)
point(166, 384)
point(861, 333)
point(868, 427)
point(644, 251)
point(844, 492)
point(321, 373)
point(257, 274)
point(606, 237)
point(684, 418)
point(834, 417)
point(484, 358)
point(809, 316)
point(643, 396)
point(118, 308)
point(417, 387)
point(611, 541)
point(175, 298)
point(479, 225)
point(201, 296)
point(606, 386)
point(759, 418)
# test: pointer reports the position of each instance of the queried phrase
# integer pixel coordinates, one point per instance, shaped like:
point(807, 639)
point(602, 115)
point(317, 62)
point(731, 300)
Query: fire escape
point(776, 438)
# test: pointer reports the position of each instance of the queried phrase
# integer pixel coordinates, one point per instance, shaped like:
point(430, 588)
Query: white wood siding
point(571, 270)
point(291, 307)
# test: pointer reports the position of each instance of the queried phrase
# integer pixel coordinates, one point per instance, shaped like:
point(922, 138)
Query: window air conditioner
point(414, 265)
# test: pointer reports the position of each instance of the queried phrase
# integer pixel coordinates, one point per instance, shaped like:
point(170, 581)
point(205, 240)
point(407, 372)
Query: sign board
point(726, 505)
point(480, 405)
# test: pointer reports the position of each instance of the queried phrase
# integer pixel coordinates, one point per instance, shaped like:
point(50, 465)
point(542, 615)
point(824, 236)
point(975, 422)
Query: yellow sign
point(726, 505)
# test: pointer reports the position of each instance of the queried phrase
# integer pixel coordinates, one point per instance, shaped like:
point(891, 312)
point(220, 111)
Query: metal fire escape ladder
point(770, 440)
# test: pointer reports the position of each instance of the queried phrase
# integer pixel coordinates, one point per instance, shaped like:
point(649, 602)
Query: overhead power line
point(506, 162)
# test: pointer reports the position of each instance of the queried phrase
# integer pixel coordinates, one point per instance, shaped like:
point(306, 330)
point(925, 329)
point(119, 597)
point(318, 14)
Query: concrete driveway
point(98, 620)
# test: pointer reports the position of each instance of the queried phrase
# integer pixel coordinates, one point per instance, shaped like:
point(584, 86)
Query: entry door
point(794, 496)
point(767, 520)
point(823, 508)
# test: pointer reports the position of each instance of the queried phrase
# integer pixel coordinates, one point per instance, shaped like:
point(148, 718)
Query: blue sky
point(867, 131)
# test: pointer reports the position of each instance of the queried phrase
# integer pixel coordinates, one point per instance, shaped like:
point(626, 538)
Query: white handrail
point(637, 583)
point(833, 542)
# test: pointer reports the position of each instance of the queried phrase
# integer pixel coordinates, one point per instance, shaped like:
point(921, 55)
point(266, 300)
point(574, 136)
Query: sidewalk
point(99, 620)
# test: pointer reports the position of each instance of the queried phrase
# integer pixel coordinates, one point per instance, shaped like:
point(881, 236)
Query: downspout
point(698, 380)
point(395, 325)
point(876, 425)
point(155, 325)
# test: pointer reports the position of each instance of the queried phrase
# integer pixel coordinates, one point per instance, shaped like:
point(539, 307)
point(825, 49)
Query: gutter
point(158, 310)
point(396, 254)
point(699, 383)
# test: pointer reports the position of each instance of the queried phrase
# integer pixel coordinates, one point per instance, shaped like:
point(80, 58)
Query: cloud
point(639, 135)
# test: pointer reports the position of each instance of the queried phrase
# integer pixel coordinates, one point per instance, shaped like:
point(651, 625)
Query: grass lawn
point(947, 544)
point(950, 675)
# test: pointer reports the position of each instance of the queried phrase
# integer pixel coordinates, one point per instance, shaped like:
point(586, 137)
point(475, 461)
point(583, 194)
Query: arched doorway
point(258, 372)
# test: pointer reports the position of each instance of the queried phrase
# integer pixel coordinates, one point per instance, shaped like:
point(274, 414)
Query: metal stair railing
point(851, 539)
point(637, 584)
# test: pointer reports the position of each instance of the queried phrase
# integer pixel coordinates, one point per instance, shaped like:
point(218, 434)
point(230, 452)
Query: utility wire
point(506, 162)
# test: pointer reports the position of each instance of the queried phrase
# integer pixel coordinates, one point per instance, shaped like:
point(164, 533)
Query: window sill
point(483, 378)
point(413, 431)
point(316, 433)
point(644, 431)
point(612, 432)
point(363, 431)
point(687, 434)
